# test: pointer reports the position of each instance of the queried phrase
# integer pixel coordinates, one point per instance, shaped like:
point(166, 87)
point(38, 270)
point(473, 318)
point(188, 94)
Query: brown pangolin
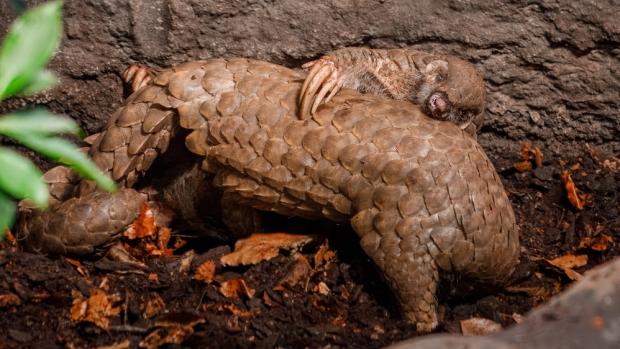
point(420, 192)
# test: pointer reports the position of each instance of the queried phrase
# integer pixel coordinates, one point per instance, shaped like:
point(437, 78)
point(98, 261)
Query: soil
point(552, 79)
point(337, 304)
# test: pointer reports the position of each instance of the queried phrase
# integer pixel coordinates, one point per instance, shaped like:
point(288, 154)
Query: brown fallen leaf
point(10, 238)
point(597, 243)
point(539, 293)
point(9, 300)
point(477, 326)
point(78, 266)
point(205, 271)
point(538, 156)
point(568, 262)
point(527, 155)
point(571, 191)
point(143, 226)
point(125, 344)
point(598, 322)
point(262, 247)
point(166, 335)
point(322, 288)
point(323, 255)
point(518, 318)
point(236, 288)
point(96, 309)
point(232, 309)
point(173, 328)
point(153, 306)
point(523, 166)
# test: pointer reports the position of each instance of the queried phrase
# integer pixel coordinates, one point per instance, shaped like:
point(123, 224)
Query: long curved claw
point(137, 76)
point(329, 85)
point(315, 79)
point(339, 83)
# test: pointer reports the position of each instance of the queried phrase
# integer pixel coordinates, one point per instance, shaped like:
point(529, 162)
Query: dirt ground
point(552, 76)
point(305, 300)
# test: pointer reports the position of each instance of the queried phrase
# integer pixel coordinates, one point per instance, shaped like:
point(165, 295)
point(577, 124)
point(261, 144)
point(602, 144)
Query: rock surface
point(552, 67)
point(585, 316)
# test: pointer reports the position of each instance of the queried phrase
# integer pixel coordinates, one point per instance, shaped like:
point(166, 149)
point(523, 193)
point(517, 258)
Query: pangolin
point(419, 191)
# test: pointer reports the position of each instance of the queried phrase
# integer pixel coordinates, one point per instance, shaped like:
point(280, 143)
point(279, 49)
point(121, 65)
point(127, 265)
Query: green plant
point(27, 48)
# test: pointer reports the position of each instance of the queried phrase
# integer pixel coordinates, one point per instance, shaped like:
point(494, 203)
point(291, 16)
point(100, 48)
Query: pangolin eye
point(438, 104)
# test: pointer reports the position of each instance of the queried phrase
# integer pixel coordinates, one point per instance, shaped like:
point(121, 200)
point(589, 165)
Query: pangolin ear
point(435, 67)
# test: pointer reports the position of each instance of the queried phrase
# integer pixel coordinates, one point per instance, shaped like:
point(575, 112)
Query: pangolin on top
point(419, 191)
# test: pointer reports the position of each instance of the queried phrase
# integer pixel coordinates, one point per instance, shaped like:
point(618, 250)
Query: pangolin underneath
point(420, 192)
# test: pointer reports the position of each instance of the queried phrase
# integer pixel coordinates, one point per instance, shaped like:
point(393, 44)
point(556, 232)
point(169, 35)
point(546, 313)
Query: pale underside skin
point(420, 193)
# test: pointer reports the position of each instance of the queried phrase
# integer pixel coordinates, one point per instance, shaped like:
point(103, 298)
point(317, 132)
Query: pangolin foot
point(324, 80)
point(137, 76)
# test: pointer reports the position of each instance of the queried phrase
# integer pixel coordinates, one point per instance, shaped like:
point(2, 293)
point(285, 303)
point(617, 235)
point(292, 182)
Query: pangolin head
point(451, 89)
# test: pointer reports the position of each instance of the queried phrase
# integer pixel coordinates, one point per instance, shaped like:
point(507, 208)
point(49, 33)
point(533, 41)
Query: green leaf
point(7, 213)
point(37, 121)
point(44, 80)
point(21, 179)
point(65, 152)
point(28, 47)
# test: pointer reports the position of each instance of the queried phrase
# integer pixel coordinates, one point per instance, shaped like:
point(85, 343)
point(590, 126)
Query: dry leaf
point(597, 243)
point(126, 344)
point(235, 288)
point(143, 226)
point(477, 326)
point(539, 293)
point(322, 288)
point(78, 266)
point(172, 329)
point(233, 309)
point(153, 278)
point(538, 156)
point(153, 306)
point(323, 255)
point(9, 299)
point(571, 191)
point(262, 247)
point(166, 335)
point(523, 166)
point(569, 261)
point(205, 271)
point(10, 238)
point(598, 323)
point(96, 309)
point(518, 318)
point(573, 275)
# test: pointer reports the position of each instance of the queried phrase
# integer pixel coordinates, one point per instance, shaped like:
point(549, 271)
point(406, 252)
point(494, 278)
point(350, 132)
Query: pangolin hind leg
point(403, 256)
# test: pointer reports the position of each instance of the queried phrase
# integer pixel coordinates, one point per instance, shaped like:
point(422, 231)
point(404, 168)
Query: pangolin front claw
point(324, 79)
point(137, 76)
